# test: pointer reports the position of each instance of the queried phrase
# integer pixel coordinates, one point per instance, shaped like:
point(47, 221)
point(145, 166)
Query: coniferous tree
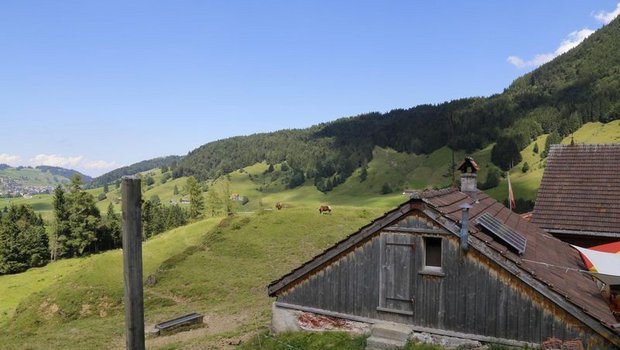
point(196, 200)
point(23, 241)
point(175, 216)
point(84, 219)
point(364, 173)
point(214, 200)
point(112, 222)
point(61, 232)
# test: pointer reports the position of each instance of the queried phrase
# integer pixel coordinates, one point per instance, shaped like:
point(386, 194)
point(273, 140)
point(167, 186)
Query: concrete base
point(284, 320)
point(388, 336)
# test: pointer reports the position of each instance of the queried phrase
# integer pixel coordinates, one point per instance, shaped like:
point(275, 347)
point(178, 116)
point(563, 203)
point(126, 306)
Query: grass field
point(525, 185)
point(219, 270)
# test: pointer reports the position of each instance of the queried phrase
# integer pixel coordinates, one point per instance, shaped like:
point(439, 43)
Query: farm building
point(577, 200)
point(457, 263)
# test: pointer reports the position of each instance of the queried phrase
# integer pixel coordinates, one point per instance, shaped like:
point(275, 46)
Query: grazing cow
point(279, 205)
point(325, 209)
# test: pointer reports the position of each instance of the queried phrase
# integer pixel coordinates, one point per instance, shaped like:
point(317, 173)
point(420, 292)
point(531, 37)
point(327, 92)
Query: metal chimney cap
point(465, 206)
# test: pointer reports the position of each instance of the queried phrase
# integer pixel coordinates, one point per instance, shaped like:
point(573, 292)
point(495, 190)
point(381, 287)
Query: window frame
point(427, 269)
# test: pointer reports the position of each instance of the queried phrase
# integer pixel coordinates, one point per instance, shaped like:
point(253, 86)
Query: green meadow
point(218, 267)
point(221, 266)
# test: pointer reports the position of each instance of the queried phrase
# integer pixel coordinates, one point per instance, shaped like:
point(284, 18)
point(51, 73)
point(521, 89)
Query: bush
point(525, 167)
point(386, 188)
point(492, 179)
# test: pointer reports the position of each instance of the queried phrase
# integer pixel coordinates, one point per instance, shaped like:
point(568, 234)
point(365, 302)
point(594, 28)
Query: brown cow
point(325, 209)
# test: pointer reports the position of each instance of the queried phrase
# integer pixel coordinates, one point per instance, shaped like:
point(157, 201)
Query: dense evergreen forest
point(580, 86)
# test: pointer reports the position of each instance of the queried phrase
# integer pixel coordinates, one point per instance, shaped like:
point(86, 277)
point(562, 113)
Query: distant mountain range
point(580, 86)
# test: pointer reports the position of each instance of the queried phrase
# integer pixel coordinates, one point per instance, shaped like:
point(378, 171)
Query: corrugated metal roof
point(580, 189)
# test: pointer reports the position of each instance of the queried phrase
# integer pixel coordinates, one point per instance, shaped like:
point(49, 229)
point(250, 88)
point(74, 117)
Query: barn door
point(396, 276)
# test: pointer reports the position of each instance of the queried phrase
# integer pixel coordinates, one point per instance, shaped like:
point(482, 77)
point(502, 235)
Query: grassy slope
point(33, 177)
point(525, 185)
point(398, 169)
point(60, 305)
point(221, 272)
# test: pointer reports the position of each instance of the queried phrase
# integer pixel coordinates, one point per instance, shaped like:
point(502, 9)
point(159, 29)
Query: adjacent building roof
point(546, 262)
point(580, 191)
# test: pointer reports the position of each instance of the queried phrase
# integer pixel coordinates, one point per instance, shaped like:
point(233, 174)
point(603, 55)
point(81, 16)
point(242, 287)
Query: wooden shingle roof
point(547, 259)
point(552, 265)
point(580, 190)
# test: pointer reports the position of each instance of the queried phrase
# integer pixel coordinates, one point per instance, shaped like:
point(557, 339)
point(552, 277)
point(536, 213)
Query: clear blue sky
point(94, 85)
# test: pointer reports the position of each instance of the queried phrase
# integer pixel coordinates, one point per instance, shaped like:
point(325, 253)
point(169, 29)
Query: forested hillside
point(134, 169)
point(580, 86)
point(68, 173)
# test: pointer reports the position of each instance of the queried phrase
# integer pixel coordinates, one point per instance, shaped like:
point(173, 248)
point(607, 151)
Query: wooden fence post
point(132, 262)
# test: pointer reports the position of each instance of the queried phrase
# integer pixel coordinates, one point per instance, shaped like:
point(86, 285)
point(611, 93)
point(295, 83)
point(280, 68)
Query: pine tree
point(112, 223)
point(84, 220)
point(214, 200)
point(364, 173)
point(61, 232)
point(23, 241)
point(196, 200)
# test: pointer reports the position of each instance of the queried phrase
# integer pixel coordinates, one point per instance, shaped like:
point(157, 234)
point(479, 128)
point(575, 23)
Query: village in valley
point(12, 188)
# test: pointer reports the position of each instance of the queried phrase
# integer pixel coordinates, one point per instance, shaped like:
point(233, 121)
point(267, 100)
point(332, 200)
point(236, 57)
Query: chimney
point(469, 176)
point(464, 234)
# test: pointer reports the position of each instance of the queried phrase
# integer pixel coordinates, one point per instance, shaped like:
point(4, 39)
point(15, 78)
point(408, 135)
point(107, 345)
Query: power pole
point(131, 193)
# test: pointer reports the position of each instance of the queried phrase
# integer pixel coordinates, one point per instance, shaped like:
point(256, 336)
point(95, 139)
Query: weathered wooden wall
point(474, 296)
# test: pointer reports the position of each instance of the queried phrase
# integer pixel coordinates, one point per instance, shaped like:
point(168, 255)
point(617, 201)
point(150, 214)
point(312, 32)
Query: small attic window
point(433, 251)
point(432, 256)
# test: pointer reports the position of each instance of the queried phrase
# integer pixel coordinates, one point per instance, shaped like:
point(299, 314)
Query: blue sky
point(94, 85)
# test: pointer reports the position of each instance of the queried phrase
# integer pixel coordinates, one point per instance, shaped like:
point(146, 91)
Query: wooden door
point(396, 279)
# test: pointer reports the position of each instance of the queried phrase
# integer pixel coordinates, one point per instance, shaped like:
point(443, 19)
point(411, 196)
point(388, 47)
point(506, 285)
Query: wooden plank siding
point(474, 296)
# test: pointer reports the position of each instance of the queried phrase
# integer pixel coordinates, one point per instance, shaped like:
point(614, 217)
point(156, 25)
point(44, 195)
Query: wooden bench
point(188, 320)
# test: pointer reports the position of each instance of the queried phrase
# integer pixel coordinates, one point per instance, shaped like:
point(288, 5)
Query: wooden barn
point(579, 197)
point(457, 263)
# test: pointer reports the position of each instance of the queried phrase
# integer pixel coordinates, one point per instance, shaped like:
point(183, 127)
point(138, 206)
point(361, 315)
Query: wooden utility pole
point(132, 263)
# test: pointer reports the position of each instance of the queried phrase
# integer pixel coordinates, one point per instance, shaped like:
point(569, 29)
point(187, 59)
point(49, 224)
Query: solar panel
point(513, 238)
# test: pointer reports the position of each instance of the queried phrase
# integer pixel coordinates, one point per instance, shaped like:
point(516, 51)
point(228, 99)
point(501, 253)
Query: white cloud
point(99, 164)
point(573, 39)
point(76, 162)
point(606, 17)
point(80, 163)
point(9, 159)
point(56, 160)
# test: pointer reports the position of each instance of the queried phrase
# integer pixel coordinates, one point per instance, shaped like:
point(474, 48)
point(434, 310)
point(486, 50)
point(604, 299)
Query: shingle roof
point(580, 189)
point(546, 259)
